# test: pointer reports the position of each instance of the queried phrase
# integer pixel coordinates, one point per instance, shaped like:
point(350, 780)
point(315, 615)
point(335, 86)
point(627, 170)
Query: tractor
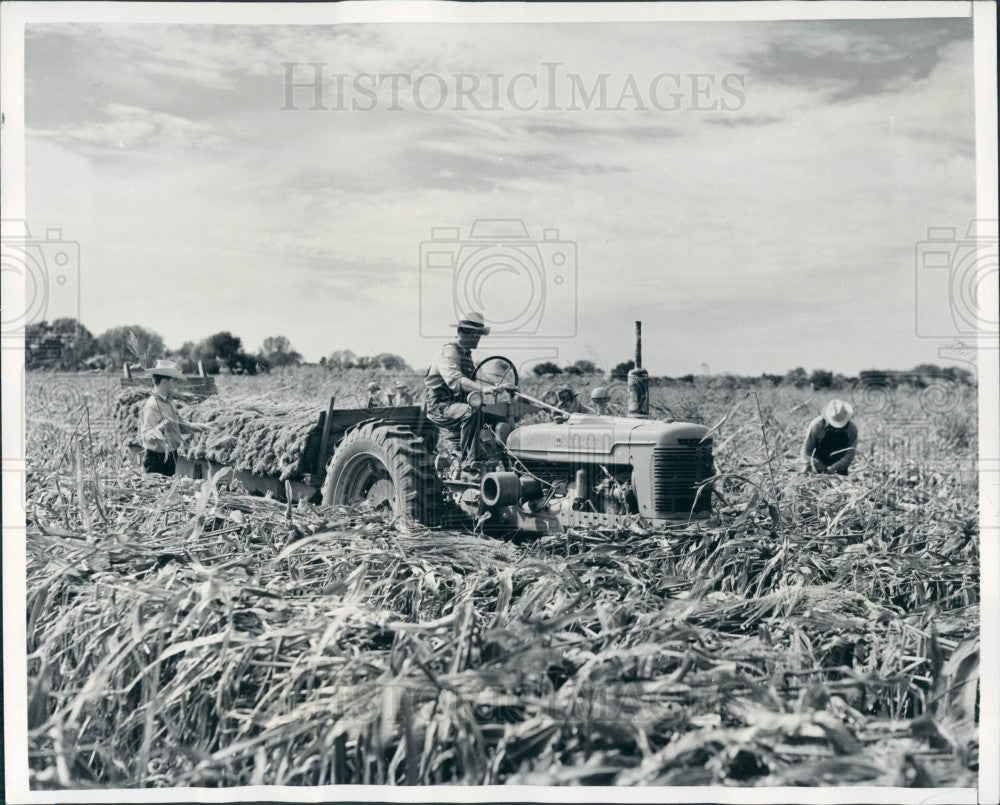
point(578, 470)
point(572, 470)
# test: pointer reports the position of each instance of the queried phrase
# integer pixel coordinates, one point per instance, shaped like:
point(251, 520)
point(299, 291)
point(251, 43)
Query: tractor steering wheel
point(498, 371)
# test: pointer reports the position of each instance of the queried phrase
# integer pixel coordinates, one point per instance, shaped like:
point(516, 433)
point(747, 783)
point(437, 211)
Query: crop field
point(816, 630)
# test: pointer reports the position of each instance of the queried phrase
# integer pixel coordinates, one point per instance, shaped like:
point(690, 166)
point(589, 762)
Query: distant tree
point(342, 359)
point(546, 369)
point(187, 357)
point(877, 377)
point(582, 367)
point(774, 380)
point(927, 370)
point(960, 375)
point(225, 350)
point(682, 378)
point(131, 344)
point(797, 377)
point(42, 349)
point(225, 346)
point(76, 342)
point(620, 372)
point(924, 373)
point(388, 361)
point(821, 379)
point(277, 351)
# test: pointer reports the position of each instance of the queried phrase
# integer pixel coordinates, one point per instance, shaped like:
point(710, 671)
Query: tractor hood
point(592, 439)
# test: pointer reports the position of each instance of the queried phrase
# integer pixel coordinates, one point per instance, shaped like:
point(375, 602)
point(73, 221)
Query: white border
point(14, 15)
point(476, 13)
point(985, 54)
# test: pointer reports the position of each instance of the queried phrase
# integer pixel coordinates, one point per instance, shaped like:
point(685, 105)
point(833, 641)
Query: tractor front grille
point(677, 473)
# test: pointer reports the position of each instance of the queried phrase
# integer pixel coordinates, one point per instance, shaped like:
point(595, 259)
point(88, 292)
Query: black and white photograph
point(547, 402)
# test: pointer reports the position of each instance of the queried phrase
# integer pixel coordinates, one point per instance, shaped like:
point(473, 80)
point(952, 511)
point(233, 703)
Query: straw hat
point(473, 321)
point(167, 369)
point(838, 413)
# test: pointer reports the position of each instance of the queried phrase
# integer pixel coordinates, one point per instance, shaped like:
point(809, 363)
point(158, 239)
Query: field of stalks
point(816, 631)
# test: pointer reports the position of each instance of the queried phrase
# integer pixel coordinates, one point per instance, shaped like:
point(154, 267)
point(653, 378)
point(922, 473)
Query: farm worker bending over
point(449, 380)
point(830, 441)
point(161, 428)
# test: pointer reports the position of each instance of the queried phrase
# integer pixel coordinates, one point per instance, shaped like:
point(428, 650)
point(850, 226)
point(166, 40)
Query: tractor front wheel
point(386, 467)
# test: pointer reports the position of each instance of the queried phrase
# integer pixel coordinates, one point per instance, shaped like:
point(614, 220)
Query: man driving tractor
point(447, 384)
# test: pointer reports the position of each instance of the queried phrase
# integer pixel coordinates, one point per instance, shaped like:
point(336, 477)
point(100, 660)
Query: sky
point(754, 193)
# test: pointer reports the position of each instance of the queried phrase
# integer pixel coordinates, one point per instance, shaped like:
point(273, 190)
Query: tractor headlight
point(476, 400)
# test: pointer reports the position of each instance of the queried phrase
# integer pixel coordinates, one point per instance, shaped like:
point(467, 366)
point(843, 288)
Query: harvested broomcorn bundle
point(254, 434)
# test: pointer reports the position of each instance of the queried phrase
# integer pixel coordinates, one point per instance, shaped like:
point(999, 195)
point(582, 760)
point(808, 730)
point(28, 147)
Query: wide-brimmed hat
point(473, 321)
point(374, 387)
point(600, 393)
point(167, 369)
point(838, 413)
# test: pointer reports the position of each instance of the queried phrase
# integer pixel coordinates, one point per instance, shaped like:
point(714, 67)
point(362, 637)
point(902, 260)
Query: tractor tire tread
point(402, 453)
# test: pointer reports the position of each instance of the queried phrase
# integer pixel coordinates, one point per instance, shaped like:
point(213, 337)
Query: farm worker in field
point(400, 394)
point(449, 380)
point(831, 439)
point(161, 428)
point(374, 396)
point(599, 399)
point(569, 401)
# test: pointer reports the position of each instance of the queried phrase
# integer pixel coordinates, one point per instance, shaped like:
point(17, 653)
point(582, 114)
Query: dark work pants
point(160, 463)
point(459, 425)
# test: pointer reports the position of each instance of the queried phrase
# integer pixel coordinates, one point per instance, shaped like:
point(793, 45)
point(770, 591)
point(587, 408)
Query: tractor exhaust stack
point(638, 381)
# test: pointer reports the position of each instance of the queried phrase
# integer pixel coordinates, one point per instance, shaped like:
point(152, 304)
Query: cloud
point(848, 60)
point(172, 158)
point(573, 131)
point(444, 165)
point(739, 121)
point(131, 129)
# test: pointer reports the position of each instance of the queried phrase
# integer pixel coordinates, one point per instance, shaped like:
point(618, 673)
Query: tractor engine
point(595, 470)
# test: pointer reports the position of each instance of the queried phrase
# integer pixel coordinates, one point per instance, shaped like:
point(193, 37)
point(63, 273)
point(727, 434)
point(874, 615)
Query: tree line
point(920, 376)
point(67, 345)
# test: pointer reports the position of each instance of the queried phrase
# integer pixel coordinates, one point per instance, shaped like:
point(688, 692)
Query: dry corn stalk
point(254, 434)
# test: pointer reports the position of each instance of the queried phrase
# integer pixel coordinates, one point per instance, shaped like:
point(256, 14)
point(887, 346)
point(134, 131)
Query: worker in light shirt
point(831, 440)
point(447, 385)
point(161, 429)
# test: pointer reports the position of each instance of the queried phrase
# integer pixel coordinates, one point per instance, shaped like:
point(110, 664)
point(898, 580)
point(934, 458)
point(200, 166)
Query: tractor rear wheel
point(387, 467)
